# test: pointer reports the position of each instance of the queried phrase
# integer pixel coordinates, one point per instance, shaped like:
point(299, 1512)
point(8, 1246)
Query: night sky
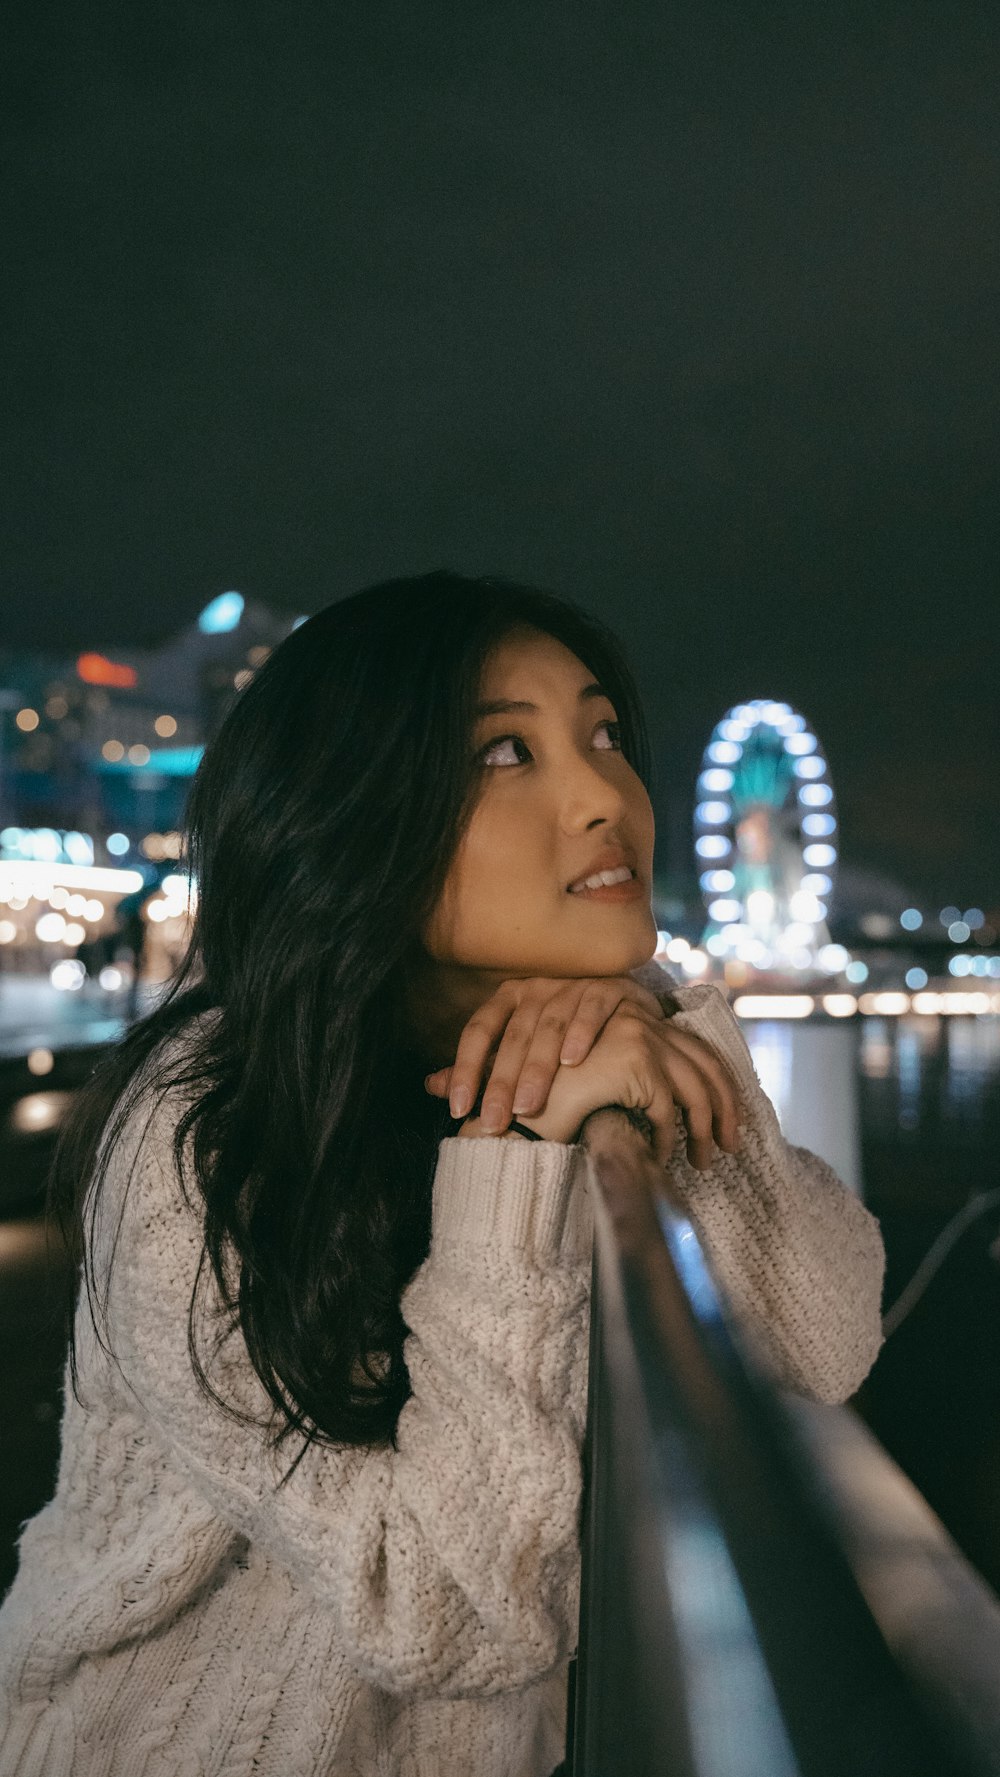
point(689, 311)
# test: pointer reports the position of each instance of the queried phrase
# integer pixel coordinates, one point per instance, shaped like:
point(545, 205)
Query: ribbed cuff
point(528, 1196)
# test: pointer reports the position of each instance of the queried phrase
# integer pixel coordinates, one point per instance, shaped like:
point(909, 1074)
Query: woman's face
point(556, 792)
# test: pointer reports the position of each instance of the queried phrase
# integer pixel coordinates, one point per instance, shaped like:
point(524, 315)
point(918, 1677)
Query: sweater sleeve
point(449, 1564)
point(798, 1258)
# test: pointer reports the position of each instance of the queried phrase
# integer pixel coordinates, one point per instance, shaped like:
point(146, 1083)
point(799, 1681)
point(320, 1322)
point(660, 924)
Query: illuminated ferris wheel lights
point(753, 950)
point(796, 937)
point(832, 958)
point(718, 778)
point(775, 713)
point(764, 760)
point(725, 911)
point(714, 814)
point(760, 906)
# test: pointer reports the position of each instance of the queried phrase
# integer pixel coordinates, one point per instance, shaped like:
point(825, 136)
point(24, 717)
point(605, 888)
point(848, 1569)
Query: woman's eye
point(494, 746)
point(510, 750)
point(615, 731)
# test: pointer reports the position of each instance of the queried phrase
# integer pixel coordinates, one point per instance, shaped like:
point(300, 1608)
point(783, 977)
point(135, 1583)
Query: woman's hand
point(646, 1064)
point(536, 1026)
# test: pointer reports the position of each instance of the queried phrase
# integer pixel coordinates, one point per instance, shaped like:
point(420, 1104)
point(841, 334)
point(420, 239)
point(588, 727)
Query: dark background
point(689, 311)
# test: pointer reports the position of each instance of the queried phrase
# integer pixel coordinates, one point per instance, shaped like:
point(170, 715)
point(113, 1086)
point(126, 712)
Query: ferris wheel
point(765, 837)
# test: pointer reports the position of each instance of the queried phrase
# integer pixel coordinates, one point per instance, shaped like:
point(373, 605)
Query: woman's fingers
point(721, 1090)
point(521, 1076)
point(702, 1102)
point(527, 1060)
point(596, 1005)
point(691, 1097)
point(524, 1027)
point(503, 1029)
point(477, 1041)
point(660, 1111)
point(519, 1038)
point(566, 1031)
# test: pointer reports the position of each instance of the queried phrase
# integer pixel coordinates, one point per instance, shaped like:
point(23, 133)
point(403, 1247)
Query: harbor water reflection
point(932, 1079)
point(929, 1098)
point(907, 1111)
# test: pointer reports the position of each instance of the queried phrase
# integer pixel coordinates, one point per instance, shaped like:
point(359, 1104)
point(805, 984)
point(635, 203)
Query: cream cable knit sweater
point(385, 1614)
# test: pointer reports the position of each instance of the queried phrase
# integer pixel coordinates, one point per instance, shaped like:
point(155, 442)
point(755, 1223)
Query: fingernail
point(460, 1101)
point(492, 1116)
point(572, 1050)
point(524, 1099)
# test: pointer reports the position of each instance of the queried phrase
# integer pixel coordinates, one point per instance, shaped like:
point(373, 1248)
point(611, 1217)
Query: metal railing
point(749, 1573)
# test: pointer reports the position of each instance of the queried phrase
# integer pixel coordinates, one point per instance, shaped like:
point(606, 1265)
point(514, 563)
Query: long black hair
point(319, 831)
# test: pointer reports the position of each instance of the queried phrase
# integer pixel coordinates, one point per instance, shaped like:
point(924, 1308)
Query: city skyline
point(121, 705)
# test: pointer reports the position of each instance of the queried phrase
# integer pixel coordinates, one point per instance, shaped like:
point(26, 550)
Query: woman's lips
point(616, 891)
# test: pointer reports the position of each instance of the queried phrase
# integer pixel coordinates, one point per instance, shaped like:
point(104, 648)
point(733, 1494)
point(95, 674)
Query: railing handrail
point(723, 1629)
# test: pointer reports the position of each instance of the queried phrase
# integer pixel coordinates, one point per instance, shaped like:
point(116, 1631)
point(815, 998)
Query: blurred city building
point(105, 742)
point(97, 753)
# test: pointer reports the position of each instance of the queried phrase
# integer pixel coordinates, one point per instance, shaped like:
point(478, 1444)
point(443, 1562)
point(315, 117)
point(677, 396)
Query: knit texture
point(386, 1613)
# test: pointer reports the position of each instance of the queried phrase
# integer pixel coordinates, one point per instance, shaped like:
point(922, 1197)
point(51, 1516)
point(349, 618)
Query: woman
point(320, 1480)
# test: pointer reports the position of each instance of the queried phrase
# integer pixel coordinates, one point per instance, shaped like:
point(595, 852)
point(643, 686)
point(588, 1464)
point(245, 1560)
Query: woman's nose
point(589, 796)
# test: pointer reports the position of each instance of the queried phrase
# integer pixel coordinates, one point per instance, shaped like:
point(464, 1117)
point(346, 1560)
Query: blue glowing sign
point(223, 613)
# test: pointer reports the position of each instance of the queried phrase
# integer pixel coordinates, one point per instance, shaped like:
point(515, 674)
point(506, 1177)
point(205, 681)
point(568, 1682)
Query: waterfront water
point(931, 1080)
point(930, 1123)
point(907, 1110)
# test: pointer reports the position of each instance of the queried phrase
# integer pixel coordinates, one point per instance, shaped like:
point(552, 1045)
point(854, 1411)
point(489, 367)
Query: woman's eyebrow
point(505, 706)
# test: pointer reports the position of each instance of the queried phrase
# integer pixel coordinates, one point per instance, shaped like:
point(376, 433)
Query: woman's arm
point(450, 1564)
point(799, 1259)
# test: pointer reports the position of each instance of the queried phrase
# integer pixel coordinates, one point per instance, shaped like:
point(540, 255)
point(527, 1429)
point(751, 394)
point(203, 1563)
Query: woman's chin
point(617, 953)
point(609, 956)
